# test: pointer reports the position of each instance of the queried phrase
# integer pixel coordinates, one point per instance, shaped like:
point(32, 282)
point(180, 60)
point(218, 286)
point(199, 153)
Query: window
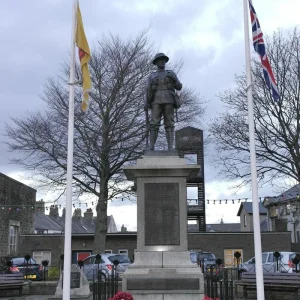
point(264, 257)
point(123, 251)
point(89, 260)
point(13, 239)
point(273, 212)
point(270, 257)
point(192, 195)
point(39, 256)
point(108, 251)
point(245, 220)
point(22, 261)
point(193, 257)
point(229, 259)
point(120, 258)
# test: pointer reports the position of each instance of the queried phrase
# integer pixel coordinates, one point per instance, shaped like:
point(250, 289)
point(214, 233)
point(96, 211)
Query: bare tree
point(277, 126)
point(110, 135)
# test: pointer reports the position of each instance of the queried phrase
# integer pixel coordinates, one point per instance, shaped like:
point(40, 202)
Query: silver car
point(92, 266)
point(270, 263)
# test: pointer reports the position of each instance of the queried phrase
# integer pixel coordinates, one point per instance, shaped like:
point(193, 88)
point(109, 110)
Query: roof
point(226, 227)
point(16, 181)
point(264, 225)
point(229, 227)
point(53, 223)
point(248, 208)
point(287, 196)
point(46, 222)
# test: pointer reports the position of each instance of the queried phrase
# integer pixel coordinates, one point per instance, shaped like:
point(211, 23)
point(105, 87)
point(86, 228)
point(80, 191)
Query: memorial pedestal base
point(163, 276)
point(162, 269)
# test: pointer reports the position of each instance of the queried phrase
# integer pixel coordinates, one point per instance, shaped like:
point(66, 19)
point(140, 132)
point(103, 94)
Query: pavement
point(34, 297)
point(46, 297)
point(38, 297)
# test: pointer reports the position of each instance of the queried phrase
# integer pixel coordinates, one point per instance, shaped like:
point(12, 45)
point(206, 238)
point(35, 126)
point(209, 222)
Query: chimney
point(54, 211)
point(77, 213)
point(40, 206)
point(123, 228)
point(88, 214)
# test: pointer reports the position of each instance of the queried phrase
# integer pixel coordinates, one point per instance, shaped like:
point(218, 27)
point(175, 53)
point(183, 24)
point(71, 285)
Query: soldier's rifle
point(147, 127)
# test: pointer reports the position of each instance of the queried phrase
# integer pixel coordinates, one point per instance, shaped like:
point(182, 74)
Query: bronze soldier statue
point(162, 99)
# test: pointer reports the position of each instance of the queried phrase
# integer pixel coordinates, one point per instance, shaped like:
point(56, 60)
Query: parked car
point(203, 259)
point(193, 257)
point(269, 262)
point(206, 259)
point(30, 269)
point(91, 265)
point(295, 267)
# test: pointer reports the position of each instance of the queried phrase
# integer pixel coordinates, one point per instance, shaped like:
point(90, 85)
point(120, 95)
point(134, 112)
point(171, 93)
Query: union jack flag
point(259, 47)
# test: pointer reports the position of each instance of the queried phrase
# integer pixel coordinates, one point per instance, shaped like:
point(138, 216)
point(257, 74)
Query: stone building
point(246, 217)
point(54, 223)
point(17, 206)
point(222, 244)
point(284, 212)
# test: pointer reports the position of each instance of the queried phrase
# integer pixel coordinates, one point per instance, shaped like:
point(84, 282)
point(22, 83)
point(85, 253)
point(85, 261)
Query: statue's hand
point(172, 76)
point(146, 107)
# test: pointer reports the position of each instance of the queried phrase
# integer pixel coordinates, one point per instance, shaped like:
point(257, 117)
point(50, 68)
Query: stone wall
point(218, 242)
point(211, 242)
point(296, 247)
point(17, 206)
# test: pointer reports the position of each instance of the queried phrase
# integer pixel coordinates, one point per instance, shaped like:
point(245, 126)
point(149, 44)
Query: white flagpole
point(68, 215)
point(255, 204)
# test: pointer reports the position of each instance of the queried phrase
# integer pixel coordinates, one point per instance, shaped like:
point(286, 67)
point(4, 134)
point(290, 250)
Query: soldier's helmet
point(160, 55)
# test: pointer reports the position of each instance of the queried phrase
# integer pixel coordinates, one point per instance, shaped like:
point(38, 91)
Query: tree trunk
point(101, 220)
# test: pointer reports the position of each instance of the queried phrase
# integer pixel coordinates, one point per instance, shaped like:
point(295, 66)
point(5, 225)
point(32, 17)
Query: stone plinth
point(162, 267)
point(80, 288)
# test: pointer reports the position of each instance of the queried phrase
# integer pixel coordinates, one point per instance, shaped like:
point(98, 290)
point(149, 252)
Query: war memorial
point(162, 267)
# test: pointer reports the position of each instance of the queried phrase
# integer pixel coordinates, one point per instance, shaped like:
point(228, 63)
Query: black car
point(30, 269)
point(205, 259)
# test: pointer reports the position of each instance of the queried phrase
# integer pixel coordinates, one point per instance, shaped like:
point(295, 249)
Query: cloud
point(154, 6)
point(125, 214)
point(206, 35)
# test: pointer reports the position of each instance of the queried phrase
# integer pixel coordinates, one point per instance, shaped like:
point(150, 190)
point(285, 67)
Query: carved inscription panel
point(162, 214)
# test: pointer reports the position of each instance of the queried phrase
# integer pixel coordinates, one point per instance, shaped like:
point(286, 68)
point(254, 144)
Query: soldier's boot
point(170, 138)
point(153, 138)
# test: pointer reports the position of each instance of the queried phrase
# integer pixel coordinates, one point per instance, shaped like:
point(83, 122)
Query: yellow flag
point(84, 57)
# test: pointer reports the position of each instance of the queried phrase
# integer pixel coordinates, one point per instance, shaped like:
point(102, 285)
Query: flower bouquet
point(122, 296)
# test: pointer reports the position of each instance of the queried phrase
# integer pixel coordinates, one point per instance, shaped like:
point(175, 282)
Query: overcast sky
point(207, 35)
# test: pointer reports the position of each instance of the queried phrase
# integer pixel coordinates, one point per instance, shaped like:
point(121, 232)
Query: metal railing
point(221, 272)
point(219, 283)
point(105, 284)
